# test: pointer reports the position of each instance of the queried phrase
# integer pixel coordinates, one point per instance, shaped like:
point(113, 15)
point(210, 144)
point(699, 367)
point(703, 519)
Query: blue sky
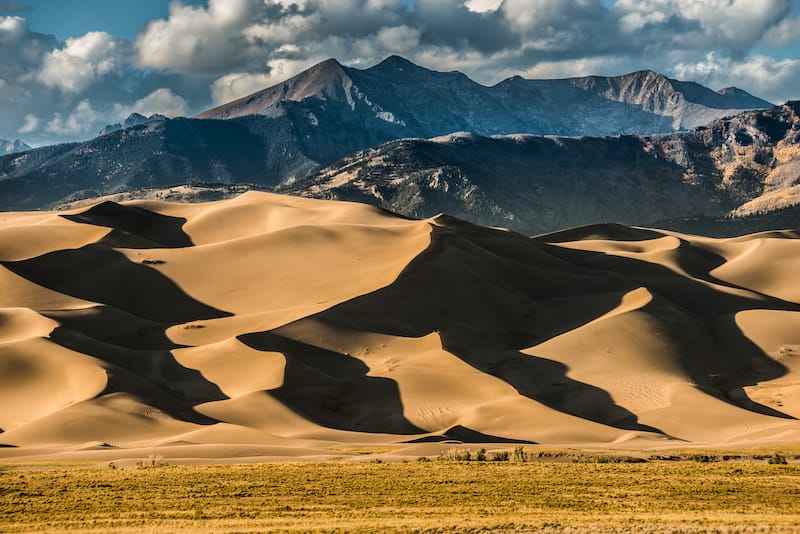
point(68, 18)
point(67, 68)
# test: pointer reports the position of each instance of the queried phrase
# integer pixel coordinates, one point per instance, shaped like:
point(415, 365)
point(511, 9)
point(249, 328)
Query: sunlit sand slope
point(288, 322)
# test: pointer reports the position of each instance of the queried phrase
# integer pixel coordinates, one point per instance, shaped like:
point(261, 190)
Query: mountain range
point(405, 117)
point(12, 147)
point(405, 100)
point(134, 119)
point(743, 166)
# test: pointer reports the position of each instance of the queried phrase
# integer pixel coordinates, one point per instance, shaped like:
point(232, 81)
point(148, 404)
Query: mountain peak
point(645, 73)
point(397, 61)
point(743, 98)
point(12, 147)
point(318, 80)
point(329, 65)
point(134, 117)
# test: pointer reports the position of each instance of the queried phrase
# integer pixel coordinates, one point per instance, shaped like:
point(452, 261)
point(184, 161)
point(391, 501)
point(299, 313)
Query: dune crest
point(288, 322)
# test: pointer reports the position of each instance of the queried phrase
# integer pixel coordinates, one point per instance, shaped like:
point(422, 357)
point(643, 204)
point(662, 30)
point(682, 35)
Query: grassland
point(385, 497)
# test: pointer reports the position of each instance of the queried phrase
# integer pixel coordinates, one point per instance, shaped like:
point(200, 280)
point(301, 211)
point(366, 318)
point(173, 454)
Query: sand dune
point(292, 324)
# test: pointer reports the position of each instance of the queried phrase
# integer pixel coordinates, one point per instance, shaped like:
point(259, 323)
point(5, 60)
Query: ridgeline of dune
point(296, 324)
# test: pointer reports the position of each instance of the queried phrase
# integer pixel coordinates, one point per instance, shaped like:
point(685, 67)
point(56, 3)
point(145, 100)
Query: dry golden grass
point(433, 496)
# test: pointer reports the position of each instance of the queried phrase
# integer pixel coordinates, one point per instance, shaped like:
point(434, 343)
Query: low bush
point(777, 459)
point(151, 462)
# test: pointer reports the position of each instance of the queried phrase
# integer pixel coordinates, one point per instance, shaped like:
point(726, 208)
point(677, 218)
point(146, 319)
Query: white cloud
point(785, 33)
point(81, 62)
point(775, 80)
point(162, 101)
point(396, 39)
point(81, 121)
point(239, 84)
point(734, 24)
point(483, 6)
point(603, 66)
point(196, 39)
point(85, 119)
point(12, 29)
point(30, 125)
point(225, 49)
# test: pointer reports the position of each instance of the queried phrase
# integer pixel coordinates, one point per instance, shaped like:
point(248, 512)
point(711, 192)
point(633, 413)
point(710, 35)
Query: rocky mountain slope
point(12, 147)
point(417, 102)
point(735, 176)
point(746, 166)
point(157, 153)
point(286, 132)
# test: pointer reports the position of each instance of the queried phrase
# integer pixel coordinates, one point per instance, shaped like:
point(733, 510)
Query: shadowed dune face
point(276, 320)
point(134, 227)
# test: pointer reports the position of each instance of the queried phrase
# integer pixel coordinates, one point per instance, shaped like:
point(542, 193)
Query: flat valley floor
point(556, 492)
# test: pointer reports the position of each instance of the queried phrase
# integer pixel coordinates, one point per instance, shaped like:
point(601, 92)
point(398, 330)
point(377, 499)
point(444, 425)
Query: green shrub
point(777, 459)
point(481, 455)
point(500, 456)
point(703, 458)
point(456, 455)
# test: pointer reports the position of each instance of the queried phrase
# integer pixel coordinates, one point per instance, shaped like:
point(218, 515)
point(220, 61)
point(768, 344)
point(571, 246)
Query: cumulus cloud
point(239, 84)
point(77, 123)
point(86, 119)
point(483, 6)
point(218, 51)
point(30, 125)
point(196, 38)
point(22, 49)
point(775, 80)
point(161, 101)
point(735, 25)
point(81, 62)
point(785, 33)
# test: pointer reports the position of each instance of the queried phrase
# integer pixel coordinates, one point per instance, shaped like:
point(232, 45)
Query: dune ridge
point(294, 324)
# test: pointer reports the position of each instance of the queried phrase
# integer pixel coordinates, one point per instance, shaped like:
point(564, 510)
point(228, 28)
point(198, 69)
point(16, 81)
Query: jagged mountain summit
point(134, 119)
point(12, 147)
point(419, 102)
